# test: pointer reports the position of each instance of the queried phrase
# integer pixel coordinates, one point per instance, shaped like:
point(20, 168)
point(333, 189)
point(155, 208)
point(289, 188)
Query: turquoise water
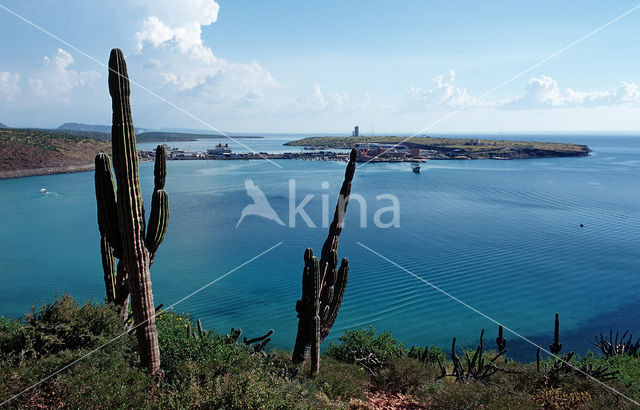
point(502, 236)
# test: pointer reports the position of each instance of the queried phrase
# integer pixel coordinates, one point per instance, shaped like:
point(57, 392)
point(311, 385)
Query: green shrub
point(361, 342)
point(176, 346)
point(10, 326)
point(341, 381)
point(10, 341)
point(60, 326)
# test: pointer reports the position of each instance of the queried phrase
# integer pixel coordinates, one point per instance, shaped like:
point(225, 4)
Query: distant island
point(385, 148)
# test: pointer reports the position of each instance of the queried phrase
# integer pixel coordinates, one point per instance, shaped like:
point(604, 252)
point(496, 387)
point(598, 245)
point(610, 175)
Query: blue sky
point(316, 67)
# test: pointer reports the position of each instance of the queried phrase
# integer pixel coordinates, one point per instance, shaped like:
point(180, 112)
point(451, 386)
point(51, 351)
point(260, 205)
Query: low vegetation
point(215, 370)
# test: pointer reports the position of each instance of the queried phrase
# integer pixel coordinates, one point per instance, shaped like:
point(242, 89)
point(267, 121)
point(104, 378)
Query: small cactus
point(556, 346)
point(500, 341)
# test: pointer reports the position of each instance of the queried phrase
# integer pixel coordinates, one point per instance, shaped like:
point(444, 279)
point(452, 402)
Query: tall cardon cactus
point(323, 283)
point(121, 217)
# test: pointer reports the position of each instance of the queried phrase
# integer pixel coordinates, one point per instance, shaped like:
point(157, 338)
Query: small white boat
point(43, 190)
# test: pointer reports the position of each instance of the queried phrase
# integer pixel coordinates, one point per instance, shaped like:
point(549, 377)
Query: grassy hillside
point(484, 149)
point(33, 152)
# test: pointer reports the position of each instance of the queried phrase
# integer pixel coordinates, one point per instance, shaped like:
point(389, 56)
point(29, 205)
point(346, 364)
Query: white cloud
point(55, 80)
point(544, 92)
point(185, 38)
point(9, 86)
point(445, 94)
point(171, 47)
point(323, 100)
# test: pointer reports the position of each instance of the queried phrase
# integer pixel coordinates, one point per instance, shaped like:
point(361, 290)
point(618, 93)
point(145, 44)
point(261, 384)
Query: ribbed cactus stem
point(109, 268)
point(314, 269)
point(331, 243)
point(135, 254)
point(106, 199)
point(331, 314)
point(160, 168)
point(110, 239)
point(122, 290)
point(306, 306)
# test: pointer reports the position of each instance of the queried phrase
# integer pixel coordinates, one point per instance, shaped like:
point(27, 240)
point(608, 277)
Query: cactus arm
point(122, 290)
point(158, 221)
point(332, 313)
point(109, 268)
point(135, 255)
point(160, 168)
point(106, 200)
point(314, 321)
point(331, 243)
point(303, 308)
point(328, 286)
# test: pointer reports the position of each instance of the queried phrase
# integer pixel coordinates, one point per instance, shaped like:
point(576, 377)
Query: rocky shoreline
point(19, 173)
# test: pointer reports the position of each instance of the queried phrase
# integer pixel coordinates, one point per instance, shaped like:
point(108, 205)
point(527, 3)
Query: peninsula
point(392, 148)
point(25, 152)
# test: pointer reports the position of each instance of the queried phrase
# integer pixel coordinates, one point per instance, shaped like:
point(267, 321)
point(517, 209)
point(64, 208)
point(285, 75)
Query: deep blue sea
point(502, 236)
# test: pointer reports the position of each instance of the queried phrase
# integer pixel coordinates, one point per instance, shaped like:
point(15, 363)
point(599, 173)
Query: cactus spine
point(318, 308)
point(121, 216)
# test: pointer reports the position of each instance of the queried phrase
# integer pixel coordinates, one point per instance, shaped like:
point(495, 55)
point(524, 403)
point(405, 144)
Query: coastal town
point(366, 152)
point(389, 149)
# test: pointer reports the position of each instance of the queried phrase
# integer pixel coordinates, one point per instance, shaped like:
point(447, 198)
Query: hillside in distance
point(103, 132)
point(3, 126)
point(106, 129)
point(25, 152)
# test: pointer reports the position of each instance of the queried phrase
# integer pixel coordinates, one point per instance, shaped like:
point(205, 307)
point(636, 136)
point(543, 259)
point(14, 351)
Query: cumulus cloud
point(55, 80)
point(541, 92)
point(444, 94)
point(544, 92)
point(9, 86)
point(169, 40)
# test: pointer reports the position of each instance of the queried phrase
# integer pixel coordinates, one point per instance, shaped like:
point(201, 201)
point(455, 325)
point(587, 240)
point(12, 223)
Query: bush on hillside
point(360, 343)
